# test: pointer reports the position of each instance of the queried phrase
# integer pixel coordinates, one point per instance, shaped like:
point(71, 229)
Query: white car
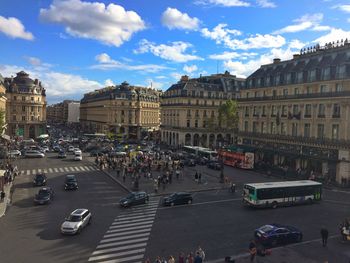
point(71, 148)
point(45, 149)
point(76, 221)
point(77, 151)
point(14, 153)
point(78, 157)
point(34, 154)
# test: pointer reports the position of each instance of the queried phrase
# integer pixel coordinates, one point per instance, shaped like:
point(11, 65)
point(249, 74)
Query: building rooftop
point(22, 83)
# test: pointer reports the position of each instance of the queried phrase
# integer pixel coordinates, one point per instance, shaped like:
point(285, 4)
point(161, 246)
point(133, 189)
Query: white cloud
point(174, 52)
point(109, 82)
point(34, 61)
point(334, 35)
point(226, 3)
point(231, 55)
point(266, 3)
point(14, 28)
point(176, 76)
point(58, 85)
point(241, 69)
point(150, 83)
point(161, 77)
point(174, 19)
point(345, 8)
point(190, 69)
point(224, 36)
point(111, 24)
point(107, 63)
point(296, 44)
point(306, 22)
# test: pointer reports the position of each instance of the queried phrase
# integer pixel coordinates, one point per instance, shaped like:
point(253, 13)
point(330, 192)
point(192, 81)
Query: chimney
point(295, 56)
point(276, 60)
point(184, 78)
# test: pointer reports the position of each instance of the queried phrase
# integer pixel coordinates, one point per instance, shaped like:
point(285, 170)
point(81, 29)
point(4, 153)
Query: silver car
point(76, 221)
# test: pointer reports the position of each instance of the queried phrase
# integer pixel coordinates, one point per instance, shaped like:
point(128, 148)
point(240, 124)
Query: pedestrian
point(200, 178)
point(147, 260)
point(190, 258)
point(198, 258)
point(252, 250)
point(181, 258)
point(201, 253)
point(158, 260)
point(324, 235)
point(171, 259)
point(196, 176)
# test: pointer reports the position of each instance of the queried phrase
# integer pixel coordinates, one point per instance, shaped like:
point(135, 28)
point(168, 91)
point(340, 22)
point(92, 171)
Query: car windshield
point(74, 218)
point(266, 228)
point(71, 180)
point(39, 177)
point(173, 195)
point(43, 192)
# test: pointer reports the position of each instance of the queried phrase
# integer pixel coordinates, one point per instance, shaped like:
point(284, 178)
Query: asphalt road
point(217, 221)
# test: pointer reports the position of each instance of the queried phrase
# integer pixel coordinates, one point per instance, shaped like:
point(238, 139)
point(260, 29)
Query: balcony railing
point(298, 96)
point(299, 139)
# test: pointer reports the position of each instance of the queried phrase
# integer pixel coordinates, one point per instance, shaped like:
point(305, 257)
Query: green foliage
point(228, 115)
point(2, 121)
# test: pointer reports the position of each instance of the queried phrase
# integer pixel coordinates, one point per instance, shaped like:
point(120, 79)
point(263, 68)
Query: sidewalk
point(7, 200)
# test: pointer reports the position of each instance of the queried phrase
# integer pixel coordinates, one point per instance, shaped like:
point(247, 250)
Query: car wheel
point(189, 202)
point(274, 205)
point(79, 230)
point(172, 204)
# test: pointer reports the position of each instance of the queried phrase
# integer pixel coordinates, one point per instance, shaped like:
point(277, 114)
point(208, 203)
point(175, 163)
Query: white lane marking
point(204, 203)
point(120, 260)
point(137, 214)
point(93, 168)
point(56, 170)
point(87, 168)
point(130, 221)
point(123, 238)
point(131, 224)
point(132, 218)
point(45, 171)
point(125, 253)
point(144, 209)
point(50, 170)
point(34, 171)
point(77, 168)
point(102, 251)
point(72, 169)
point(122, 243)
point(28, 172)
point(129, 228)
point(82, 168)
point(127, 232)
point(39, 171)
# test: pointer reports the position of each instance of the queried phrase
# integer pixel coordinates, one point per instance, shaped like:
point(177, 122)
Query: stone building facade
point(63, 112)
point(3, 100)
point(128, 112)
point(295, 114)
point(190, 109)
point(25, 106)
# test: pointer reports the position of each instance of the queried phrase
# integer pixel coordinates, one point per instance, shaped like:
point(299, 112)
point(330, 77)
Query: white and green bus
point(273, 194)
point(201, 152)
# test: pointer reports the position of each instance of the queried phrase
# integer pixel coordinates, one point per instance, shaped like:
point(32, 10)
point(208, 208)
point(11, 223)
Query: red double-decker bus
point(243, 160)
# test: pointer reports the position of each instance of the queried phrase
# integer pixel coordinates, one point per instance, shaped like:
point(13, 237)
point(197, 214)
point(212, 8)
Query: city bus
point(273, 194)
point(243, 160)
point(201, 152)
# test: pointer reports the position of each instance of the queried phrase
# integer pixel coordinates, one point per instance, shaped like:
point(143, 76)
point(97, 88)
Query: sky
point(77, 46)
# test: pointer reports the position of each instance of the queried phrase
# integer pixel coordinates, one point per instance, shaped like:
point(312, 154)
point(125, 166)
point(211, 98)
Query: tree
point(228, 115)
point(2, 121)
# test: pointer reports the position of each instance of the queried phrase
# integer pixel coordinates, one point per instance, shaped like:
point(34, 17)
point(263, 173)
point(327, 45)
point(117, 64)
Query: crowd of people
point(197, 257)
point(11, 171)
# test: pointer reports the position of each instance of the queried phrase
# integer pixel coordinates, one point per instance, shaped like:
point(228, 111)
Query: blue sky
point(76, 46)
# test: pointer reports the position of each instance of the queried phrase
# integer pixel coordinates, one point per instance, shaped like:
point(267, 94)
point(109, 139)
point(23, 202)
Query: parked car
point(134, 198)
point(39, 179)
point(62, 154)
point(34, 154)
point(214, 165)
point(70, 182)
point(71, 148)
point(14, 153)
point(76, 221)
point(44, 196)
point(78, 157)
point(179, 198)
point(275, 234)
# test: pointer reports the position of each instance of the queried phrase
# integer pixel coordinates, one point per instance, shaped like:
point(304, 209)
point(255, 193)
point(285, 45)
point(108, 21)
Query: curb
point(116, 180)
point(191, 191)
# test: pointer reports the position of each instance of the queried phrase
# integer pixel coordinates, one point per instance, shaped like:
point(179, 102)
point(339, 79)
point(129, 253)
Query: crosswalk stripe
point(122, 242)
point(72, 169)
point(125, 253)
point(102, 251)
point(130, 221)
point(123, 238)
point(127, 233)
point(131, 218)
point(66, 169)
point(120, 260)
point(34, 171)
point(129, 228)
point(55, 169)
point(93, 168)
point(82, 168)
point(45, 171)
point(28, 172)
point(131, 224)
point(138, 214)
point(77, 168)
point(143, 209)
point(39, 171)
point(50, 170)
point(87, 168)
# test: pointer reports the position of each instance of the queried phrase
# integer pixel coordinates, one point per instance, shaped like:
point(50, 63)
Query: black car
point(134, 198)
point(40, 179)
point(179, 198)
point(70, 182)
point(62, 154)
point(214, 165)
point(44, 196)
point(94, 153)
point(190, 162)
point(275, 234)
